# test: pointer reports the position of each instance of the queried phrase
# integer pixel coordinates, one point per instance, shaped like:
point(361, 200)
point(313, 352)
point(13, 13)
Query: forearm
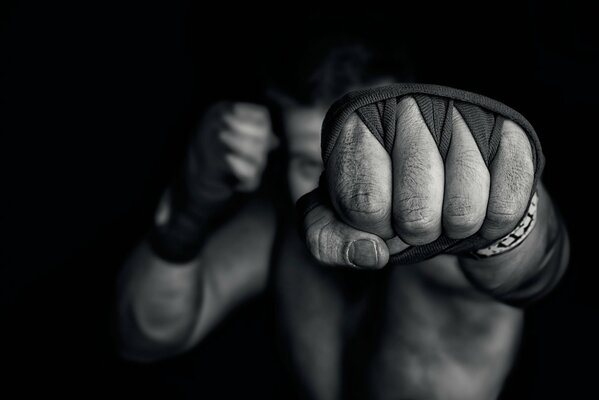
point(530, 270)
point(161, 295)
point(158, 305)
point(165, 308)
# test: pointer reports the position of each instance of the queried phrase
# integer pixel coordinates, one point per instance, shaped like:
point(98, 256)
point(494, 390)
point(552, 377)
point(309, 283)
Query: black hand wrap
point(377, 108)
point(192, 219)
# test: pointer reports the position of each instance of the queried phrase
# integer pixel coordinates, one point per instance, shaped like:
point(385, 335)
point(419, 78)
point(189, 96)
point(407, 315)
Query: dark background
point(97, 102)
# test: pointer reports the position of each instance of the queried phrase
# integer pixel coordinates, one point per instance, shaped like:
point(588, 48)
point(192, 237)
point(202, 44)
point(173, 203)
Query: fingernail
point(363, 253)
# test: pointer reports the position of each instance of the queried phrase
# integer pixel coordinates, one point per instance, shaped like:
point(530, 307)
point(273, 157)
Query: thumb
point(334, 243)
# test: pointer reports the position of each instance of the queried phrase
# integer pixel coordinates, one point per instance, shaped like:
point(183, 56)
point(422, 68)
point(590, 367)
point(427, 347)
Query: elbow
point(144, 353)
point(152, 337)
point(168, 328)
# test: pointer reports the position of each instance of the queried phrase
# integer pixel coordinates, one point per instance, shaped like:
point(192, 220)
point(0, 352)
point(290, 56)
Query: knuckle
point(503, 212)
point(419, 225)
point(415, 215)
point(461, 228)
point(462, 224)
point(362, 201)
point(459, 207)
point(461, 214)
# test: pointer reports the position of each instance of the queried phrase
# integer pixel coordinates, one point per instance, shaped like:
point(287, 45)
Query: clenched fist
point(230, 149)
point(228, 154)
point(387, 195)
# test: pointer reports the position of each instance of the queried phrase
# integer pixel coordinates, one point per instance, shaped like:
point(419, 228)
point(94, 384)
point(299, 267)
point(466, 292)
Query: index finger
point(358, 173)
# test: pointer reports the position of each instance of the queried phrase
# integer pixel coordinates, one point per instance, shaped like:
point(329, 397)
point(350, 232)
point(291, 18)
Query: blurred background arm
point(165, 308)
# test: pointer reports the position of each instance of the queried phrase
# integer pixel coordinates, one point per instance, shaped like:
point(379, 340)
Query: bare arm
point(166, 308)
point(532, 269)
point(415, 194)
point(206, 252)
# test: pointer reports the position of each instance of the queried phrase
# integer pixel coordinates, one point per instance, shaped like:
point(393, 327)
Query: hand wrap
point(377, 108)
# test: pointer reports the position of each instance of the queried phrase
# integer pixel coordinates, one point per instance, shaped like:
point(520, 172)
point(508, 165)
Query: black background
point(99, 99)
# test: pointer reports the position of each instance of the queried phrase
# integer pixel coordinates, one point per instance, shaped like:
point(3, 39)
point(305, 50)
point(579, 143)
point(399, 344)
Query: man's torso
point(417, 331)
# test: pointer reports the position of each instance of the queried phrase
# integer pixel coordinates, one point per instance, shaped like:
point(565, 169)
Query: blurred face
point(302, 126)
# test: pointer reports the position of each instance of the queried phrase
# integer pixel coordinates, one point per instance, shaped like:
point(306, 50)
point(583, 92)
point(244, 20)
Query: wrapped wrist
point(180, 236)
point(515, 237)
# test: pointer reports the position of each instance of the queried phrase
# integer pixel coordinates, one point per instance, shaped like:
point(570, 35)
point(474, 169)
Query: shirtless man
point(351, 325)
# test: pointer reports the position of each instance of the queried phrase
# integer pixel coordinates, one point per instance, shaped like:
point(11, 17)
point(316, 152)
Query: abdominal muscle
point(416, 331)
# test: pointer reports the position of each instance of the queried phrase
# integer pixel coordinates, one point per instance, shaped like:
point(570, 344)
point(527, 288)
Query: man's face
point(302, 126)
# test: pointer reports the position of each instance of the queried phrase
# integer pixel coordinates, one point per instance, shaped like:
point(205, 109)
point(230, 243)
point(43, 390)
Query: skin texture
point(467, 185)
point(412, 193)
point(419, 331)
point(351, 327)
point(418, 178)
